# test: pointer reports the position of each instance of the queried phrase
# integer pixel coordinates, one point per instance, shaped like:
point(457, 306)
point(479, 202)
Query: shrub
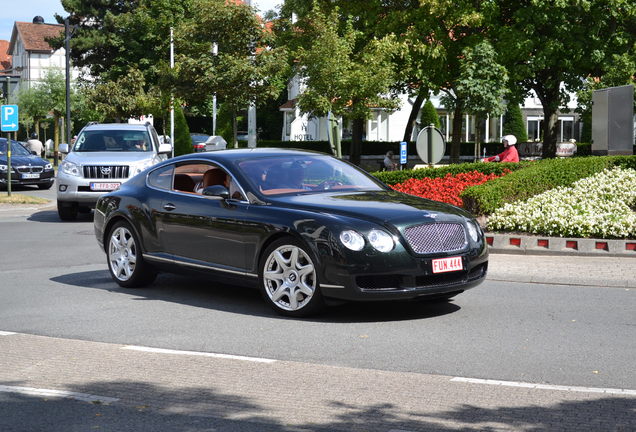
point(596, 206)
point(513, 123)
point(538, 177)
point(395, 177)
point(429, 115)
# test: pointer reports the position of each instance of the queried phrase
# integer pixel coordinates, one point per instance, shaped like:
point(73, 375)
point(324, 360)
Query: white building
point(386, 125)
point(32, 55)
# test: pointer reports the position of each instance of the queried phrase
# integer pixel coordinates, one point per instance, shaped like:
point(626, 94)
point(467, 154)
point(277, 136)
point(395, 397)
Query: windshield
point(305, 174)
point(113, 141)
point(16, 149)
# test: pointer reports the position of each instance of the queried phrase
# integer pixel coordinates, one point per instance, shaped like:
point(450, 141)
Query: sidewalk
point(117, 387)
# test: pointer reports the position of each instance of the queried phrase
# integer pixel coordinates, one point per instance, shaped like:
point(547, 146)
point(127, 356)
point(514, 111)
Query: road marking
point(84, 397)
point(198, 353)
point(546, 386)
point(6, 333)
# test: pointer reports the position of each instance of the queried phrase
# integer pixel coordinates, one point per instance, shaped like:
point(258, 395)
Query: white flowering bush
point(600, 206)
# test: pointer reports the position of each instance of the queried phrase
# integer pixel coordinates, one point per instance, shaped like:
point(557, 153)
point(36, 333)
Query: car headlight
point(48, 167)
point(70, 168)
point(473, 231)
point(381, 240)
point(352, 240)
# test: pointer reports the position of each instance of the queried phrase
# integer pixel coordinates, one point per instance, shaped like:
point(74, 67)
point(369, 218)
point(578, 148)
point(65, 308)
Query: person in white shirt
point(35, 145)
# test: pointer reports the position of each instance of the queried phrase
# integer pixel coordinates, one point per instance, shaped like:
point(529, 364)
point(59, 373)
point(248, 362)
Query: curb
point(538, 245)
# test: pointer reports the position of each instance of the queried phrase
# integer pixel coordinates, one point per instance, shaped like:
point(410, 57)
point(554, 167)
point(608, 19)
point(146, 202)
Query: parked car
point(103, 157)
point(215, 142)
point(198, 141)
point(26, 168)
point(301, 226)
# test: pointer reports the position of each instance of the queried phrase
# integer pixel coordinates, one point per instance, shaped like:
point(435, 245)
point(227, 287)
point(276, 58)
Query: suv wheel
point(67, 210)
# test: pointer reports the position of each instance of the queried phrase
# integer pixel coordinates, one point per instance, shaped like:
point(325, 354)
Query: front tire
point(289, 280)
point(125, 261)
point(67, 211)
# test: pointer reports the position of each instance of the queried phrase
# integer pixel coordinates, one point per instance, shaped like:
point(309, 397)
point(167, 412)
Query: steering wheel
point(328, 184)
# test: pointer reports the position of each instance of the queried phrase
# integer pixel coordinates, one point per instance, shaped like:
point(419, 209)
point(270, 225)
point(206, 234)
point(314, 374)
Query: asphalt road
point(54, 282)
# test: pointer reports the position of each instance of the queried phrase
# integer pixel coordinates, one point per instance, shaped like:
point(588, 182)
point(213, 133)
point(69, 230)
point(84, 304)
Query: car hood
point(107, 158)
point(381, 206)
point(24, 160)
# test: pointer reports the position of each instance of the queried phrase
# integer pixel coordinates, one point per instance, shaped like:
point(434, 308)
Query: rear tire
point(289, 279)
point(67, 211)
point(125, 260)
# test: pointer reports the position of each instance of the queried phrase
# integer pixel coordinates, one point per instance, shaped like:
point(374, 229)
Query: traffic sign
point(431, 145)
point(403, 153)
point(9, 118)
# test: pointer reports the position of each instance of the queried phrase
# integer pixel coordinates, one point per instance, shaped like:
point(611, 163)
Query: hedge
point(394, 177)
point(536, 178)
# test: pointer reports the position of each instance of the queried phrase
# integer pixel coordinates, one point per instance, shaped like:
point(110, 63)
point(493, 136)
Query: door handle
point(169, 206)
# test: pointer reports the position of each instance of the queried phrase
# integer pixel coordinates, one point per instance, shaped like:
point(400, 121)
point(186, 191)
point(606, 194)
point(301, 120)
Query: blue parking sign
point(403, 153)
point(9, 118)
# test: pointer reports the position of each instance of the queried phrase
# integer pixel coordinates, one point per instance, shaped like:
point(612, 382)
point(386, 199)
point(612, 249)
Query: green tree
point(513, 122)
point(549, 47)
point(429, 115)
point(334, 62)
point(182, 140)
point(53, 88)
point(118, 100)
point(32, 107)
point(481, 86)
point(246, 69)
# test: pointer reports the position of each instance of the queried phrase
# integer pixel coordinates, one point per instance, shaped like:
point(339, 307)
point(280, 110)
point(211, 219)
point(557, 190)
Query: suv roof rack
point(90, 123)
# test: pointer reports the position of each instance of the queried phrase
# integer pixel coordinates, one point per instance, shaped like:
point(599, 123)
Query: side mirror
point(165, 148)
point(217, 191)
point(64, 148)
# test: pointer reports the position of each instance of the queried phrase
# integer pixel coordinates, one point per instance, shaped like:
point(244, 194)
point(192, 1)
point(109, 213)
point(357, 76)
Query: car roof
point(116, 126)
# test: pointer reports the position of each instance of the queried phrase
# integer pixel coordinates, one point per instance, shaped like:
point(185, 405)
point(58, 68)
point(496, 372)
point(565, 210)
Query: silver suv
point(102, 158)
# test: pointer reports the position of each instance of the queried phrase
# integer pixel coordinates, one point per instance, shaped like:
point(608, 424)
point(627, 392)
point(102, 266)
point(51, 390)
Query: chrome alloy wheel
point(289, 277)
point(122, 253)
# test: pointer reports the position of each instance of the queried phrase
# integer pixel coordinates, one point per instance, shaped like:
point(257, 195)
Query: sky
point(25, 10)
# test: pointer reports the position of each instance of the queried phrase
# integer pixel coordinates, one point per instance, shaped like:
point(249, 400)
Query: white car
point(102, 158)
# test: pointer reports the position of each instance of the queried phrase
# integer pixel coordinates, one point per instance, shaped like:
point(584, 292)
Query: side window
point(161, 178)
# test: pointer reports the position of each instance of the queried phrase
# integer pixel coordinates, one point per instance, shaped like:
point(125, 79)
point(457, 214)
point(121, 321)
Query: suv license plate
point(30, 176)
point(104, 186)
point(443, 265)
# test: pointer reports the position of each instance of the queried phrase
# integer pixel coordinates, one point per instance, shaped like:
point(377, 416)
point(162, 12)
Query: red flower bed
point(445, 189)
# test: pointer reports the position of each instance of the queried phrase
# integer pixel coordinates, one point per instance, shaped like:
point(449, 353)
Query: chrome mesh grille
point(105, 171)
point(434, 238)
point(29, 169)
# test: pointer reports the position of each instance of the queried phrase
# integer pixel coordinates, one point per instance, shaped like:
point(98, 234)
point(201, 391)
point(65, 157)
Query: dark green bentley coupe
point(304, 227)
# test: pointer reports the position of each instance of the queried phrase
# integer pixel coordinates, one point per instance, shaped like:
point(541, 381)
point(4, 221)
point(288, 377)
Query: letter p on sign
point(9, 118)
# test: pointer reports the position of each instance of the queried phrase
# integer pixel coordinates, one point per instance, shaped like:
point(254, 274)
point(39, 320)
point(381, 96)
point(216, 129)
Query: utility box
point(613, 121)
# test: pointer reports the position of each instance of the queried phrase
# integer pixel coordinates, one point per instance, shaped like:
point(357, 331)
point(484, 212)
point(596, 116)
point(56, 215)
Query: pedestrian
point(510, 153)
point(35, 145)
point(389, 165)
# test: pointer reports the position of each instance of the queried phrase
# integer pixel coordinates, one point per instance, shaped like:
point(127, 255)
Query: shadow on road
point(207, 293)
point(147, 407)
point(50, 216)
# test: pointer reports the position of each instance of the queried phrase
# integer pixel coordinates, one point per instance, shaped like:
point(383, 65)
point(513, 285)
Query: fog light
point(63, 188)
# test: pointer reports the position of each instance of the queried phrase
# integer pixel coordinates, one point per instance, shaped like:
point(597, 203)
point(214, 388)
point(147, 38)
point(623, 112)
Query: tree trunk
point(457, 133)
point(415, 110)
point(356, 141)
point(551, 130)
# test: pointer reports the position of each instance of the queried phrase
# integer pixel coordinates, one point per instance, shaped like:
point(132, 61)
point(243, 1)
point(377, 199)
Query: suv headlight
point(381, 240)
point(142, 166)
point(70, 168)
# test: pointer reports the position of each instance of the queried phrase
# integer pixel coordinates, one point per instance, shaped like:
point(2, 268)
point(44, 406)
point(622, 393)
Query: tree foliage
point(182, 140)
point(429, 115)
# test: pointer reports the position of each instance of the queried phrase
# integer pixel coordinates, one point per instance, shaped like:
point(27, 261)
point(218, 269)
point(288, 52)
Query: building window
point(566, 127)
point(535, 126)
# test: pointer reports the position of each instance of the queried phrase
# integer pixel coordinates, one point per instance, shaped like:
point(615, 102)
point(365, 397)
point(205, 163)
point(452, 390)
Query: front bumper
point(19, 179)
point(414, 279)
point(78, 189)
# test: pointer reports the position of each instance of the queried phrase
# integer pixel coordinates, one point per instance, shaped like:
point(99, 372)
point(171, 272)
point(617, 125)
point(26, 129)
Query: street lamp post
point(67, 47)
